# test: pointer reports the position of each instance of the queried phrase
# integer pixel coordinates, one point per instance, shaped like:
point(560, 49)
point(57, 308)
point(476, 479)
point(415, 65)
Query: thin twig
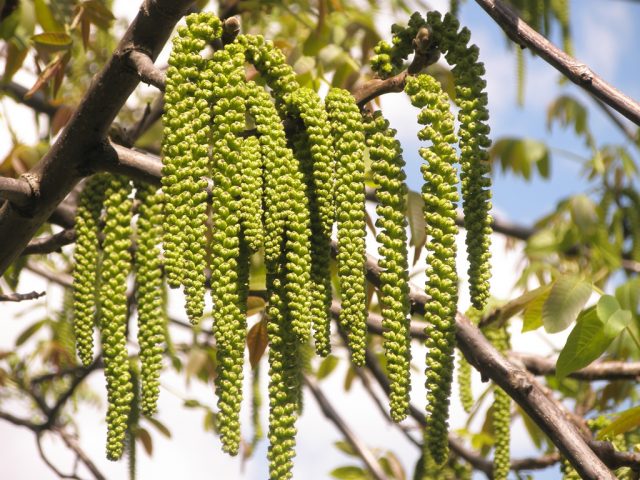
point(73, 444)
point(46, 460)
point(363, 451)
point(20, 297)
point(602, 370)
point(579, 73)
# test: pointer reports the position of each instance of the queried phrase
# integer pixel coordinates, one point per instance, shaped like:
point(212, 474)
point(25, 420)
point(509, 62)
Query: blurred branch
point(37, 101)
point(72, 443)
point(46, 460)
point(363, 451)
point(601, 370)
point(52, 243)
point(20, 297)
point(579, 73)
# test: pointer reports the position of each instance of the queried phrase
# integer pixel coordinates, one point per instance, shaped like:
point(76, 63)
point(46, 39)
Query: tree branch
point(20, 297)
point(16, 191)
point(579, 73)
point(72, 443)
point(46, 460)
point(146, 70)
point(62, 167)
point(363, 451)
point(37, 101)
point(52, 243)
point(601, 370)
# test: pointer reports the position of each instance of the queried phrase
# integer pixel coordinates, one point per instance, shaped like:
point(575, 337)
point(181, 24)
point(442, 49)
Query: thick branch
point(52, 243)
point(16, 190)
point(579, 73)
point(146, 70)
point(62, 167)
point(37, 101)
point(523, 388)
point(596, 371)
point(363, 451)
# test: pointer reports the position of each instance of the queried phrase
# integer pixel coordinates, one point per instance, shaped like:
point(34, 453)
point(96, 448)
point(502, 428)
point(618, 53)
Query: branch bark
point(579, 73)
point(62, 167)
point(596, 371)
point(20, 297)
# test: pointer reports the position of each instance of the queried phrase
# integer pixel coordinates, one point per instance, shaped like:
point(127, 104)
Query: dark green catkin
point(286, 216)
point(86, 259)
point(229, 316)
point(251, 193)
point(349, 141)
point(132, 427)
point(499, 337)
point(464, 383)
point(440, 197)
point(387, 168)
point(186, 158)
point(113, 313)
point(284, 388)
point(474, 159)
point(314, 148)
point(464, 369)
point(149, 295)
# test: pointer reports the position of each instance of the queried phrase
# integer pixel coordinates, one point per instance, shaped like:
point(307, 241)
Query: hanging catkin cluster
point(272, 170)
point(440, 197)
point(387, 166)
point(100, 292)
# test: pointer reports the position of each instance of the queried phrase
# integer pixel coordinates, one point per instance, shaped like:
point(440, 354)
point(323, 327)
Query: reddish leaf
point(145, 439)
point(257, 342)
point(14, 59)
point(61, 118)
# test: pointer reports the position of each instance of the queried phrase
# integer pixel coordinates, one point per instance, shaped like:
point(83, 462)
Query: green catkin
point(284, 389)
point(86, 259)
point(286, 217)
point(348, 135)
point(464, 383)
point(149, 296)
point(389, 59)
point(113, 311)
point(499, 337)
point(229, 318)
point(132, 427)
point(320, 296)
point(521, 75)
point(387, 167)
point(251, 194)
point(256, 405)
point(315, 151)
point(440, 196)
point(186, 159)
point(474, 159)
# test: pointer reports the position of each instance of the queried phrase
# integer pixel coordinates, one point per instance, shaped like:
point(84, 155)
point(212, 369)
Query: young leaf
point(627, 420)
point(523, 301)
point(595, 329)
point(532, 316)
point(327, 366)
point(567, 297)
point(349, 473)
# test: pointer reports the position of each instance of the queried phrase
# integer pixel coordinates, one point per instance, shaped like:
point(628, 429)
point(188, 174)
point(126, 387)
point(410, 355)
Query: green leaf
point(532, 316)
point(345, 447)
point(520, 155)
point(52, 41)
point(327, 366)
point(614, 318)
point(514, 306)
point(567, 297)
point(595, 329)
point(45, 17)
point(627, 420)
point(30, 331)
point(349, 473)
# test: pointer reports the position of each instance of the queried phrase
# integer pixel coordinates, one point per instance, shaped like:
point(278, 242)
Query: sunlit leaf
point(566, 298)
point(327, 366)
point(625, 421)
